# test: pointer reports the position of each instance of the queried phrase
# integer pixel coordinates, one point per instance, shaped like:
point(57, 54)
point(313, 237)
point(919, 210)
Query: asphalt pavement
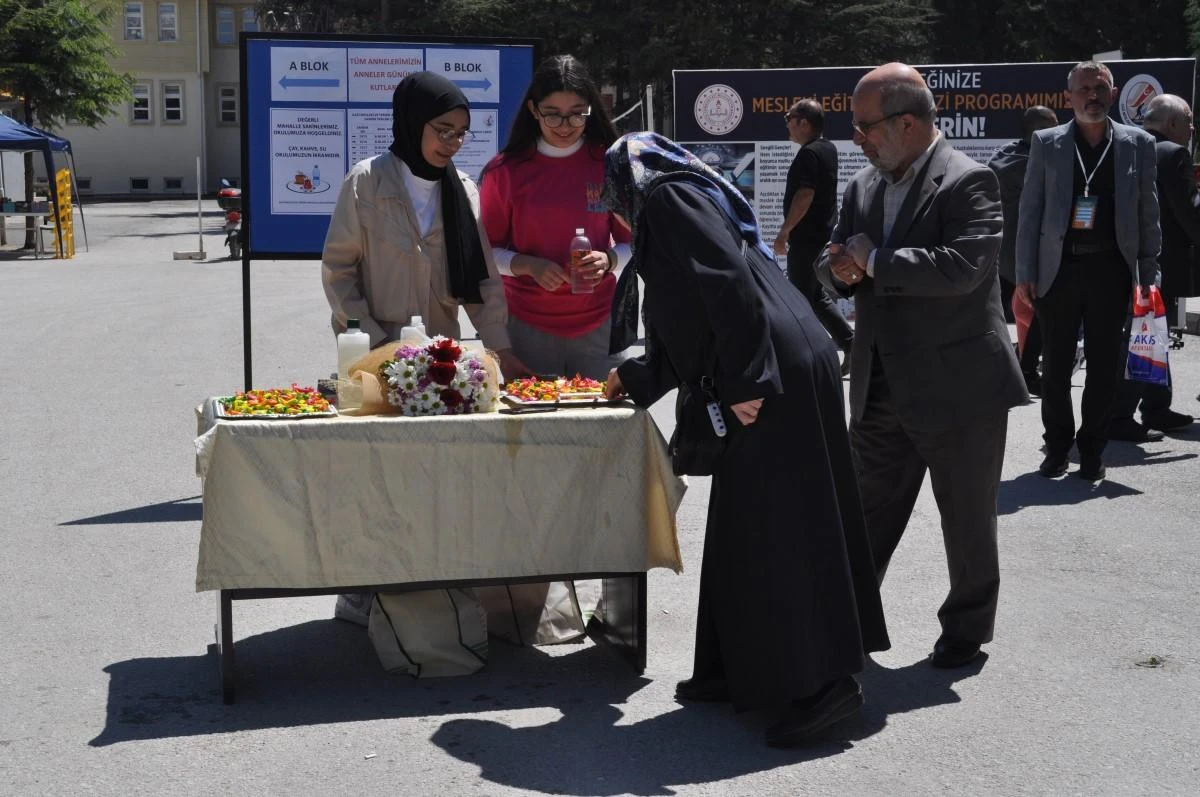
point(108, 685)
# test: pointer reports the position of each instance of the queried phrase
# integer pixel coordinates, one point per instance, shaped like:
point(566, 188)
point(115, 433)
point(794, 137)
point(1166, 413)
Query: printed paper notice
point(308, 74)
point(483, 145)
point(308, 159)
point(375, 73)
point(476, 72)
point(774, 160)
point(370, 132)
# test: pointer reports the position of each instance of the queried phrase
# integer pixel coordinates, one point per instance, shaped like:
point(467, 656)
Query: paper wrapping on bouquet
point(1148, 339)
point(364, 377)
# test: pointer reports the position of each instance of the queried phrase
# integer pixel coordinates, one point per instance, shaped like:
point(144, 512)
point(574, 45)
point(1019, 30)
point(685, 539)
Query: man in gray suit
point(933, 371)
point(1088, 230)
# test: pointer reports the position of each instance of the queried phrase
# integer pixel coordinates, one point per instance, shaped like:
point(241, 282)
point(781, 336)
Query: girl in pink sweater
point(543, 186)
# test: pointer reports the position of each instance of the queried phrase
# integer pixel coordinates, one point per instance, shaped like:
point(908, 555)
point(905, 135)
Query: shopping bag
point(429, 633)
point(1148, 339)
point(545, 613)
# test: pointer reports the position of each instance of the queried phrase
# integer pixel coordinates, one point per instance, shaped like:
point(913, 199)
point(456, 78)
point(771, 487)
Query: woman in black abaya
point(789, 602)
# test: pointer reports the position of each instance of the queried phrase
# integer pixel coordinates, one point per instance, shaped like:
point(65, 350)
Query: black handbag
point(698, 443)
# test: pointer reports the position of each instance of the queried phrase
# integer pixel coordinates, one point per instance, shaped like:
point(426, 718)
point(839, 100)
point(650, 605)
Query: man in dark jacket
point(1009, 164)
point(933, 373)
point(1169, 120)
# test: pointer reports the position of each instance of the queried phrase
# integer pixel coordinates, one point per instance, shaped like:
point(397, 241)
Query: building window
point(139, 183)
point(226, 34)
point(168, 30)
point(84, 184)
point(172, 103)
point(172, 183)
point(249, 20)
point(134, 29)
point(227, 104)
point(140, 112)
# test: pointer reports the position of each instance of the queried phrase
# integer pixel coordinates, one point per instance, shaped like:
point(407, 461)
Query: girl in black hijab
point(419, 99)
point(387, 257)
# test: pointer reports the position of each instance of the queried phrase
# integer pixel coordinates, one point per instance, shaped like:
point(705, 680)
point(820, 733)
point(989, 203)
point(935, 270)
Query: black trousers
point(1031, 353)
point(800, 259)
point(1095, 291)
point(964, 465)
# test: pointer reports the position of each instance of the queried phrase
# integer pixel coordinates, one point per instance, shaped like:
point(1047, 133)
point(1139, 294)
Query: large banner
point(733, 119)
point(314, 105)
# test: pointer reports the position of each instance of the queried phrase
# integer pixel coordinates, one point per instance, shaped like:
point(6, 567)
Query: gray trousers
point(551, 355)
point(964, 465)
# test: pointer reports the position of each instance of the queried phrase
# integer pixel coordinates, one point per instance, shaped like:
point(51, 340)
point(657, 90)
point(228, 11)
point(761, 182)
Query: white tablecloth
point(377, 500)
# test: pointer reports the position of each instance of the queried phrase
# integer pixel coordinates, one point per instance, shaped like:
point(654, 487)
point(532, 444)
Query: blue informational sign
point(313, 106)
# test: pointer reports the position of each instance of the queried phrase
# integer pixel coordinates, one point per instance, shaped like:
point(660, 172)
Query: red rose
point(442, 373)
point(451, 397)
point(444, 351)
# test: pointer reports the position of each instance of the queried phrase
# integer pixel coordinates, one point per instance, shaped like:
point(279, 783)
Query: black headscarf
point(634, 166)
point(418, 99)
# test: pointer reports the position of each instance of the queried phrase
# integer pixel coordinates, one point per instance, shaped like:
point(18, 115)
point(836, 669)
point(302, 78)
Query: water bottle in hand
point(580, 248)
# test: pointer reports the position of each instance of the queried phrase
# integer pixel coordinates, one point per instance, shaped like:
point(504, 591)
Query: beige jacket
point(377, 268)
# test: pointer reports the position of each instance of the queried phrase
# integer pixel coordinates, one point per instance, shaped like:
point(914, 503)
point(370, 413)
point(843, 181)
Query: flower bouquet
point(438, 378)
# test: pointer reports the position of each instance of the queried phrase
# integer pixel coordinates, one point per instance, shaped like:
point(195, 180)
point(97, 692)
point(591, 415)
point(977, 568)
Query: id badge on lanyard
point(1083, 214)
point(1083, 211)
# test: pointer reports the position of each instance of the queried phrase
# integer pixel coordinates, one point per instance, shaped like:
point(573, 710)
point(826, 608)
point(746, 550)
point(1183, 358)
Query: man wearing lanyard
point(1088, 231)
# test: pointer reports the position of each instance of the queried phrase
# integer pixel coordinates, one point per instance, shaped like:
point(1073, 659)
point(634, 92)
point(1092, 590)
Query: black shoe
point(1033, 383)
point(1091, 469)
point(1131, 431)
point(1167, 420)
point(1053, 465)
point(702, 690)
point(841, 699)
point(949, 653)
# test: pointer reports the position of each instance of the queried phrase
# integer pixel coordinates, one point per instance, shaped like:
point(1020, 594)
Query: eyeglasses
point(788, 118)
point(448, 135)
point(572, 119)
point(862, 128)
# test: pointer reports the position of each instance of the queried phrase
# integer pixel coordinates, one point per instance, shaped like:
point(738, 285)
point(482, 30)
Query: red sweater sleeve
point(495, 208)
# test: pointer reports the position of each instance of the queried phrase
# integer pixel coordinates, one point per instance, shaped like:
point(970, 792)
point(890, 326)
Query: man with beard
point(933, 371)
point(1088, 230)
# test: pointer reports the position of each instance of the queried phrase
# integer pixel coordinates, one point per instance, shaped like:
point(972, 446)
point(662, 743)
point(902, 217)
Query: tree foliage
point(56, 55)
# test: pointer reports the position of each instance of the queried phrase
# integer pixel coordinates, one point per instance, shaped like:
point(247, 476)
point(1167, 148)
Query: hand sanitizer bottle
point(414, 332)
point(351, 345)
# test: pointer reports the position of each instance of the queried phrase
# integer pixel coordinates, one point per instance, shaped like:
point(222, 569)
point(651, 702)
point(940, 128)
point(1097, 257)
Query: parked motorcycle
point(229, 199)
point(233, 233)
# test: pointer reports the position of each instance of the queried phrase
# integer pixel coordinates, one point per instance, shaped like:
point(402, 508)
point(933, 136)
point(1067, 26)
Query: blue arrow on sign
point(306, 82)
point(484, 84)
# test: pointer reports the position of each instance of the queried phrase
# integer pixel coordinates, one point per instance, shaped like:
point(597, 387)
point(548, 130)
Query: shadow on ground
point(181, 510)
point(1033, 489)
point(696, 743)
point(325, 671)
